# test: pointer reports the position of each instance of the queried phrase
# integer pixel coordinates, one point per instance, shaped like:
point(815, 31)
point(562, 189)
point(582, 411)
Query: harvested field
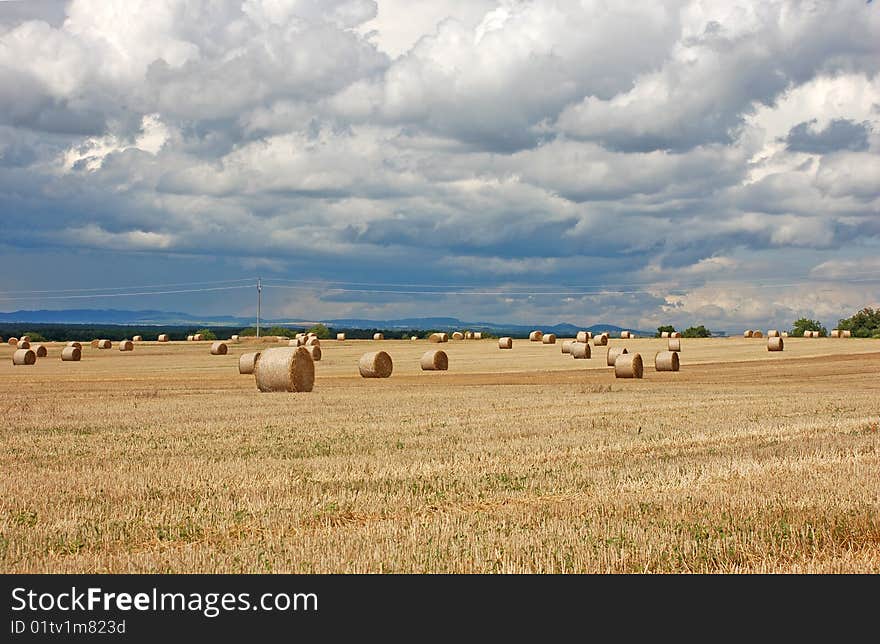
point(515, 461)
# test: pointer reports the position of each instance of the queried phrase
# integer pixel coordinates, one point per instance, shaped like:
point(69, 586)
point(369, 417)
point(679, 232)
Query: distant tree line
point(864, 324)
point(690, 332)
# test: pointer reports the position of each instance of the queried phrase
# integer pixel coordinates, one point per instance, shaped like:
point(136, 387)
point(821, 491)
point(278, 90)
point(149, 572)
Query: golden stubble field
point(167, 460)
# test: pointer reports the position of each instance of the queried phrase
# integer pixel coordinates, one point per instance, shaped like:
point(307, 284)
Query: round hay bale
point(434, 337)
point(104, 344)
point(413, 337)
point(478, 335)
point(675, 334)
point(198, 337)
point(189, 338)
point(600, 340)
point(24, 357)
point(666, 361)
point(784, 334)
point(247, 362)
point(434, 361)
point(664, 334)
point(624, 335)
point(808, 334)
point(775, 344)
point(75, 344)
point(673, 344)
point(377, 364)
point(747, 333)
point(13, 342)
point(314, 351)
point(163, 337)
point(772, 333)
point(458, 335)
point(125, 345)
point(566, 346)
point(137, 338)
point(41, 351)
point(313, 342)
point(536, 336)
point(285, 369)
point(505, 343)
point(23, 344)
point(583, 336)
point(94, 344)
point(71, 354)
point(847, 333)
point(550, 338)
point(612, 354)
point(25, 337)
point(340, 337)
point(378, 336)
point(444, 337)
point(219, 349)
point(628, 366)
point(580, 350)
point(835, 333)
point(757, 334)
point(233, 338)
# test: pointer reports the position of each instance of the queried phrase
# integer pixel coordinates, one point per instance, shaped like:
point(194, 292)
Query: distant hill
point(160, 318)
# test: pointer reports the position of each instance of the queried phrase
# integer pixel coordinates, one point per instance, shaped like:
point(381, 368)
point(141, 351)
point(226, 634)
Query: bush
point(35, 337)
point(272, 330)
point(668, 328)
point(696, 332)
point(864, 324)
point(805, 324)
point(207, 334)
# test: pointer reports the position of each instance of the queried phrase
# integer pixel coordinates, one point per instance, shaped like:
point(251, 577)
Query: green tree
point(34, 336)
point(321, 331)
point(207, 334)
point(696, 332)
point(806, 324)
point(864, 324)
point(668, 328)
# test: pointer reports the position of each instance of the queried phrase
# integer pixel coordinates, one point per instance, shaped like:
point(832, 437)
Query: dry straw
point(628, 366)
point(536, 336)
point(219, 349)
point(71, 354)
point(75, 344)
point(600, 340)
point(247, 362)
point(666, 361)
point(23, 344)
point(566, 346)
point(775, 344)
point(458, 335)
point(137, 338)
point(340, 337)
point(24, 357)
point(40, 350)
point(125, 345)
point(375, 365)
point(434, 361)
point(580, 350)
point(505, 343)
point(772, 333)
point(285, 369)
point(550, 338)
point(314, 351)
point(104, 344)
point(673, 344)
point(612, 354)
point(378, 336)
point(163, 337)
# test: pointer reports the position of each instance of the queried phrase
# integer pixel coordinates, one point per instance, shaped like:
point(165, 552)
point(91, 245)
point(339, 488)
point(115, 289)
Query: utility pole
point(259, 302)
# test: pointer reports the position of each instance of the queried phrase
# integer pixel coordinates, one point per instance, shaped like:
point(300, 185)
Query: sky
point(585, 161)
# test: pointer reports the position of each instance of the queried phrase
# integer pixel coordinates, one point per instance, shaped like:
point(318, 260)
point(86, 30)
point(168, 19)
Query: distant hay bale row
point(536, 336)
point(550, 338)
point(71, 354)
point(434, 361)
point(248, 361)
point(613, 353)
point(219, 349)
point(290, 369)
point(580, 350)
point(377, 364)
point(458, 335)
point(666, 361)
point(438, 337)
point(628, 366)
point(24, 357)
point(775, 343)
point(505, 343)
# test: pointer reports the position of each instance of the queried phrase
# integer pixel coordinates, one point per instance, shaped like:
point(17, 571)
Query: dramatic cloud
point(694, 162)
